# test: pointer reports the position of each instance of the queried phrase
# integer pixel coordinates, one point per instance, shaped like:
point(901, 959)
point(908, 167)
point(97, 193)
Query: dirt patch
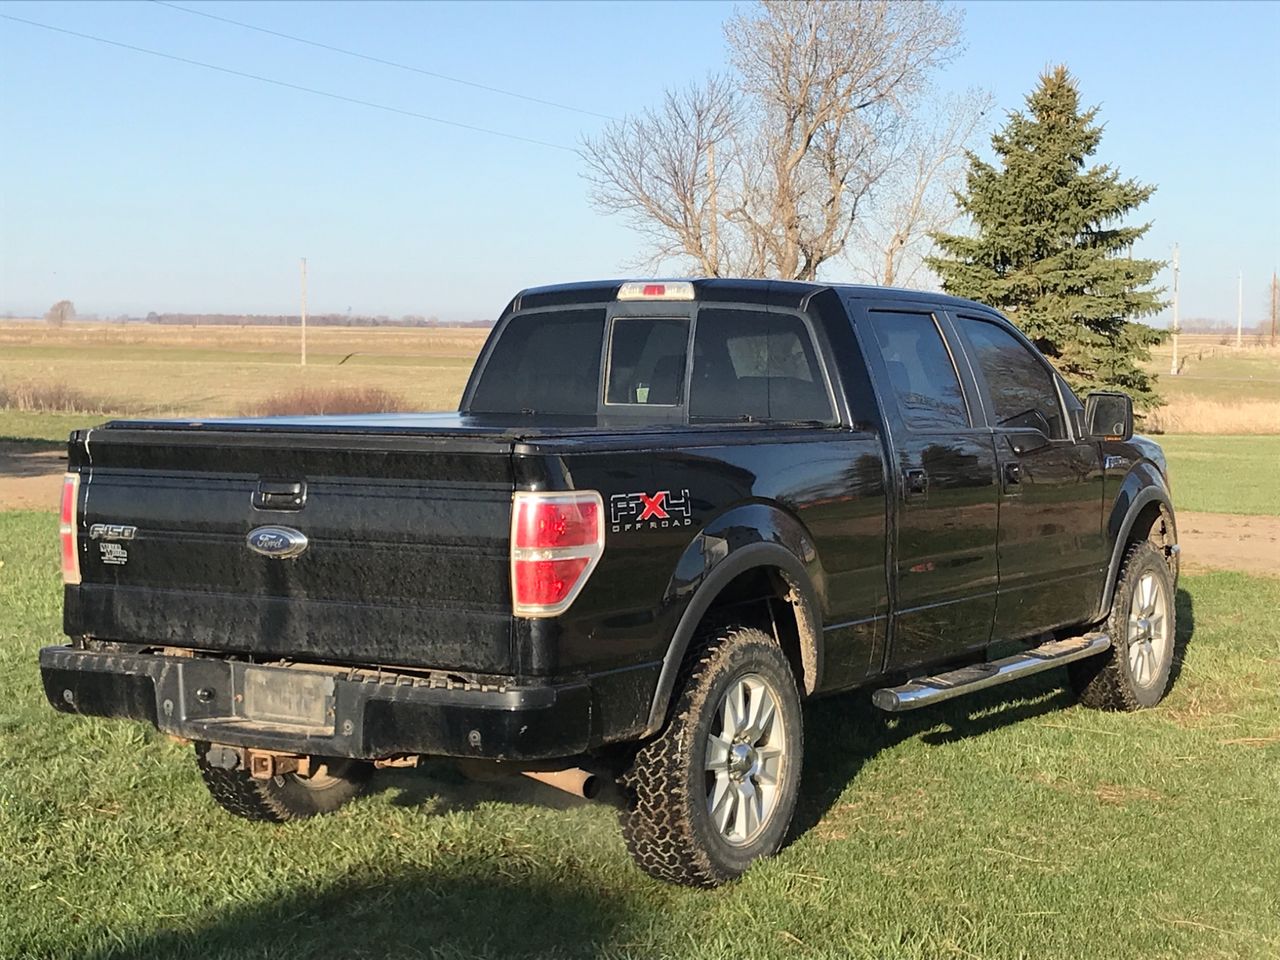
point(1222, 541)
point(30, 474)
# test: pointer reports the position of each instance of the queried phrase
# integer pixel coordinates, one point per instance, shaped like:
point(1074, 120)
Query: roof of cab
point(730, 289)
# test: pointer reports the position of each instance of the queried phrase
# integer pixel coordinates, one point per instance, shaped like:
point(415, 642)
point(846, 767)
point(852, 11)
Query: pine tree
point(1048, 247)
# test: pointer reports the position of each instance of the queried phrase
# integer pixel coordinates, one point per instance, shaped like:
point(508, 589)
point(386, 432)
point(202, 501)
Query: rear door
point(1052, 548)
point(945, 526)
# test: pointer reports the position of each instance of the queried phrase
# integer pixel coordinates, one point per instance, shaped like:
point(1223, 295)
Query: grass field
point(222, 371)
point(1013, 824)
point(1224, 474)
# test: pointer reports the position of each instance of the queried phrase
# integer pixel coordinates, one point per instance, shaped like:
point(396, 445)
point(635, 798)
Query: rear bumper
point(203, 699)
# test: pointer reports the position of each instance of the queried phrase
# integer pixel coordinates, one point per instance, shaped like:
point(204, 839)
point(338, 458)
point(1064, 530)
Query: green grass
point(1014, 824)
point(1224, 474)
point(51, 427)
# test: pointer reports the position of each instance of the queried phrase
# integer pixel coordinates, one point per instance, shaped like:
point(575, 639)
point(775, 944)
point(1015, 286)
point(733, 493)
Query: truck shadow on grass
point(478, 908)
point(464, 910)
point(843, 733)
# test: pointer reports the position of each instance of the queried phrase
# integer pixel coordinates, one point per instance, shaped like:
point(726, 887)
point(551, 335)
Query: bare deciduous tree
point(60, 313)
point(764, 174)
point(914, 198)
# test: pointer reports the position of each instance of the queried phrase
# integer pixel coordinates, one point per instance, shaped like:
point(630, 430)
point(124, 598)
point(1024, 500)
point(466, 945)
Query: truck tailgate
point(406, 562)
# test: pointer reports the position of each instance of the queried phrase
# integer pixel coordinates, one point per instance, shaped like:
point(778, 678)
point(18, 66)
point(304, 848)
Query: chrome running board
point(979, 676)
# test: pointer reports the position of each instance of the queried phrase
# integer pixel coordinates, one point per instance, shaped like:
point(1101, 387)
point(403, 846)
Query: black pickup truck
point(664, 515)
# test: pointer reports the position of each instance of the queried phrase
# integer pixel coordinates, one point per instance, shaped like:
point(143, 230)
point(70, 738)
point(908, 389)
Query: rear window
point(647, 361)
point(748, 364)
point(544, 363)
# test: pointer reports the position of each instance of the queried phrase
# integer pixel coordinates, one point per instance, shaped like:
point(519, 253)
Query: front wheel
point(331, 783)
point(1135, 673)
point(716, 789)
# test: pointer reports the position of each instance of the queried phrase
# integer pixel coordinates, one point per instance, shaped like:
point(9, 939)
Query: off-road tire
point(665, 821)
point(1106, 682)
point(286, 797)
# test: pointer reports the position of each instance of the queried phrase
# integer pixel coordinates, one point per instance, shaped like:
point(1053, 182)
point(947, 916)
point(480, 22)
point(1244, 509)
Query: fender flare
point(1141, 500)
point(750, 556)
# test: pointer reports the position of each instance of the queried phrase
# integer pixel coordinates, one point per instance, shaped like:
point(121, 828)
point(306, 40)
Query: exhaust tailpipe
point(576, 781)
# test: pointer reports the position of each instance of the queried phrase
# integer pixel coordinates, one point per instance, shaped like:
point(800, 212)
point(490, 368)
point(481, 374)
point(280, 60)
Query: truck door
point(1052, 550)
point(944, 561)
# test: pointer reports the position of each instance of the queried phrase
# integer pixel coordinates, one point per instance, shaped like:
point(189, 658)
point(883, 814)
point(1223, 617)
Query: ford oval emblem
point(279, 543)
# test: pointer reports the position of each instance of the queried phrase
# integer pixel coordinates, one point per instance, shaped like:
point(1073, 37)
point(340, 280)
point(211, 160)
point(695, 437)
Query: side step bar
point(979, 676)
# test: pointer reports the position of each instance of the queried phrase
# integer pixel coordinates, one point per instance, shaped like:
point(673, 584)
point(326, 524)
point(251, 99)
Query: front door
point(946, 517)
point(1052, 548)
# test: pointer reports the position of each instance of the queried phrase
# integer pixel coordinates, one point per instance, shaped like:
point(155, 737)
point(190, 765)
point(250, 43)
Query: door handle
point(915, 483)
point(280, 495)
point(1012, 473)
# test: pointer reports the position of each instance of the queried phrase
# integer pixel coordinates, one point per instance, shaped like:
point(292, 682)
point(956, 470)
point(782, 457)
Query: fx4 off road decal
point(645, 511)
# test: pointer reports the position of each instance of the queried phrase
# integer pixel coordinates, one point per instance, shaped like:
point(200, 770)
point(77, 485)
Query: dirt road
point(30, 474)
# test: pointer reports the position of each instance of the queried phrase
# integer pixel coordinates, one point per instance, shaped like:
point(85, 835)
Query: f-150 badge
point(645, 511)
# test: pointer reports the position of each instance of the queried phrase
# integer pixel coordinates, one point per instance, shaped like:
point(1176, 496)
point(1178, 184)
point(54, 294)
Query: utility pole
point(1173, 370)
point(304, 311)
point(1275, 304)
point(1239, 307)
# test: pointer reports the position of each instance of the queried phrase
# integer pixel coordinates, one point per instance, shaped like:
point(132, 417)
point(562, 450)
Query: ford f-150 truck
point(664, 514)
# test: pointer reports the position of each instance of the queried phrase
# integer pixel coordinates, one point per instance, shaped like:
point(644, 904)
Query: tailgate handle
point(280, 495)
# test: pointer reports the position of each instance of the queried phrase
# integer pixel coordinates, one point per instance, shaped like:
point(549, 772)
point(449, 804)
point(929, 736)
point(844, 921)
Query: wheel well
point(769, 598)
point(1155, 523)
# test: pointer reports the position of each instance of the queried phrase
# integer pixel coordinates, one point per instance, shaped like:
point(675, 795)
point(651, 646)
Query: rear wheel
point(331, 783)
point(716, 789)
point(1135, 673)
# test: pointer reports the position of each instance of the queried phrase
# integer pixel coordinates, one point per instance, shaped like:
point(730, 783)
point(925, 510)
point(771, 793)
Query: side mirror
point(1108, 416)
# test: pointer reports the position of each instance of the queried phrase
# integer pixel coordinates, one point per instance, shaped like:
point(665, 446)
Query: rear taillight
point(67, 528)
point(556, 541)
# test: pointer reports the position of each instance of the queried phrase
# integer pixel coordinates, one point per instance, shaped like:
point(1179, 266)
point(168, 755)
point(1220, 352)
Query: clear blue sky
point(129, 183)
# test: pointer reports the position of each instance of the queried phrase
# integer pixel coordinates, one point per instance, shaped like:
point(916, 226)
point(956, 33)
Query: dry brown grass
point(31, 397)
point(323, 400)
point(1198, 415)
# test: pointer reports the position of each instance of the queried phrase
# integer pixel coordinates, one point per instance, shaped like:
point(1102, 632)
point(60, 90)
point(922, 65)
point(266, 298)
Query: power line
point(385, 63)
point(289, 86)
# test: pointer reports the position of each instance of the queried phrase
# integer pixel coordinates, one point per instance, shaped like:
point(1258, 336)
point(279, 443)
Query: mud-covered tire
point(1131, 676)
point(287, 797)
point(667, 821)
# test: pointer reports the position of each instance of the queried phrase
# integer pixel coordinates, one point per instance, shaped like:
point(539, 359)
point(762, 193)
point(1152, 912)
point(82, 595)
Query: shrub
point(323, 400)
point(47, 398)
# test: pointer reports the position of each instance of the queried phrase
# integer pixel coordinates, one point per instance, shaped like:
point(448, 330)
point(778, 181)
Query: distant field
point(220, 371)
point(1221, 389)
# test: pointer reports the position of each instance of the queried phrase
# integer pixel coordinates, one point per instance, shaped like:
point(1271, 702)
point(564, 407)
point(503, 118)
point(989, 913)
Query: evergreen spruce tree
point(1048, 247)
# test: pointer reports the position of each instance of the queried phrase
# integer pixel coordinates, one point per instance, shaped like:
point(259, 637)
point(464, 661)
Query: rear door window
point(545, 363)
point(752, 365)
point(922, 375)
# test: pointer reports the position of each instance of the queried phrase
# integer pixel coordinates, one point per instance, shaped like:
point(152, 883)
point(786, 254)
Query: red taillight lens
point(547, 583)
point(556, 541)
point(67, 528)
point(550, 523)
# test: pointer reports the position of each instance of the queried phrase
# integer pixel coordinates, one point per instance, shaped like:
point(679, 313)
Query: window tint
point(647, 360)
point(748, 364)
point(544, 363)
point(921, 373)
point(1021, 385)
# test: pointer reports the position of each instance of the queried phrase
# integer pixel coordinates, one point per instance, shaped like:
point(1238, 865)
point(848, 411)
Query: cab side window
point(1023, 392)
